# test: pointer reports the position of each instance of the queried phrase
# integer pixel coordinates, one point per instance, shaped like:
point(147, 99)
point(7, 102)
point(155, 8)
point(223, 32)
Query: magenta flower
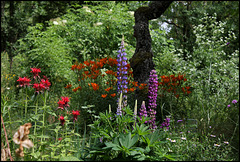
point(143, 111)
point(166, 123)
point(234, 101)
point(152, 95)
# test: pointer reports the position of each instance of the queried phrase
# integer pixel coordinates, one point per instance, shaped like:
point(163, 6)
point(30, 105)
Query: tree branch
point(172, 23)
point(157, 8)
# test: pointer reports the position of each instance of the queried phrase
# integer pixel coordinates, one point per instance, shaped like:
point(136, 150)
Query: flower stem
point(26, 101)
point(35, 126)
point(44, 108)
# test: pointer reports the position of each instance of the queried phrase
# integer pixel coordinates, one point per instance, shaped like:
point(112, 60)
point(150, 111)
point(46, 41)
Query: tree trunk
point(142, 62)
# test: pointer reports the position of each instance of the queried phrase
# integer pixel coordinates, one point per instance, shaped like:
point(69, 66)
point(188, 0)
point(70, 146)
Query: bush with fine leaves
point(81, 34)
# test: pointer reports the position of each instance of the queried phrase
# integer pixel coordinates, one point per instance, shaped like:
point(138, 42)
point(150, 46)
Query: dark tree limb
point(172, 23)
point(142, 62)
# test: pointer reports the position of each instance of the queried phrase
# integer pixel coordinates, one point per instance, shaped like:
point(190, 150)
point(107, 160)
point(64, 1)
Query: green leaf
point(105, 134)
point(43, 136)
point(69, 158)
point(36, 154)
point(127, 141)
point(112, 146)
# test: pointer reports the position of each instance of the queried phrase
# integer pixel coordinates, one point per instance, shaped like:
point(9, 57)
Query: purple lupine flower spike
point(143, 111)
point(122, 76)
point(166, 123)
point(152, 95)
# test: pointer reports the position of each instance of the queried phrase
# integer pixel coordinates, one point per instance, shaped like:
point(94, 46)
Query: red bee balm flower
point(60, 104)
point(38, 87)
point(46, 83)
point(63, 103)
point(62, 120)
point(75, 114)
point(23, 81)
point(35, 72)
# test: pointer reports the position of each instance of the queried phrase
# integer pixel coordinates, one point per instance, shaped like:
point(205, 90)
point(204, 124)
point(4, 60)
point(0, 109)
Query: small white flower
point(173, 140)
point(64, 21)
point(87, 9)
point(183, 138)
point(98, 23)
point(226, 142)
point(212, 135)
point(217, 145)
point(55, 22)
point(131, 12)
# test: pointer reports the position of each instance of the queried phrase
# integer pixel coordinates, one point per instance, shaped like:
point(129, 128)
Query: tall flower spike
point(122, 76)
point(143, 111)
point(166, 123)
point(152, 96)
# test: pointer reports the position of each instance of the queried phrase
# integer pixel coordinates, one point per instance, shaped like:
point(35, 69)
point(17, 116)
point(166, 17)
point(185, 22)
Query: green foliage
point(214, 74)
point(69, 158)
point(123, 138)
point(180, 18)
point(196, 46)
point(49, 52)
point(16, 16)
point(64, 40)
point(7, 77)
point(96, 31)
point(164, 52)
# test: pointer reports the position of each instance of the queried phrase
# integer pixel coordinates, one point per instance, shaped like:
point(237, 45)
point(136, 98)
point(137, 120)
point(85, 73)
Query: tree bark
point(142, 62)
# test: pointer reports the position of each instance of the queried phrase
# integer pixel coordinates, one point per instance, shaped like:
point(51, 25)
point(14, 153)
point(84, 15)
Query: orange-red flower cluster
point(78, 66)
point(68, 86)
point(95, 86)
point(92, 69)
point(172, 83)
point(75, 89)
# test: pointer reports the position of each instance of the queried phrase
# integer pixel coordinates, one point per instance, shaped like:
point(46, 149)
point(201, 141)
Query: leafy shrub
point(95, 31)
point(47, 50)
